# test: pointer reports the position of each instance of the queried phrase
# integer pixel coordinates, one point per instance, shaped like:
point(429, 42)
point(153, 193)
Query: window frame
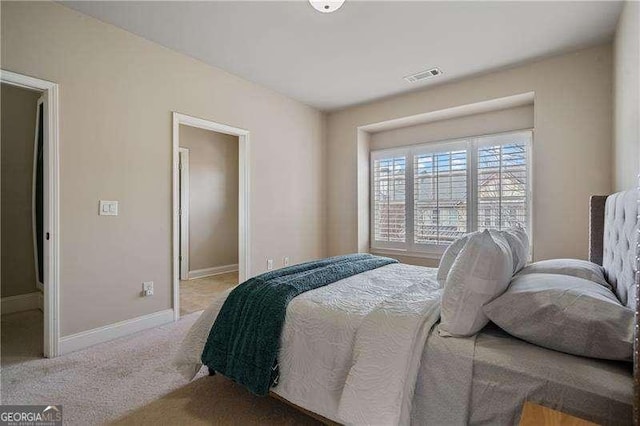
point(471, 144)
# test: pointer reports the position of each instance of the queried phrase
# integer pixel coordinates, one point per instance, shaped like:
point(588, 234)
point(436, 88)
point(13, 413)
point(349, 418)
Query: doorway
point(29, 218)
point(211, 211)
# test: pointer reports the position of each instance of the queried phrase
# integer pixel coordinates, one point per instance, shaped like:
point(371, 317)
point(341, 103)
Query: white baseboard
point(208, 272)
point(21, 302)
point(88, 338)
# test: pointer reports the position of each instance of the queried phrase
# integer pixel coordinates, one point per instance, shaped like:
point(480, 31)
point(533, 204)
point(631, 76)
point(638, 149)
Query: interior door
point(184, 212)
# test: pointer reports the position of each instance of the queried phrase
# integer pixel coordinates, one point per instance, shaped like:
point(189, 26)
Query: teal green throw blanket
point(244, 341)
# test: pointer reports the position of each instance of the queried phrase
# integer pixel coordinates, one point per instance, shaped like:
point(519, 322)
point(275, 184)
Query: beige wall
point(626, 99)
point(471, 125)
point(571, 148)
point(213, 197)
point(117, 92)
point(18, 124)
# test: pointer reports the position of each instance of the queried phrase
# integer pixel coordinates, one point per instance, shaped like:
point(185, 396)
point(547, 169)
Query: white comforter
point(350, 351)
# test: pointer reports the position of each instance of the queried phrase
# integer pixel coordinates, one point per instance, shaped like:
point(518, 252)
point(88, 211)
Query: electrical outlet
point(269, 264)
point(147, 288)
point(285, 261)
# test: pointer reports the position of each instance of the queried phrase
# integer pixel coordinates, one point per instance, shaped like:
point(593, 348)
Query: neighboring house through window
point(425, 196)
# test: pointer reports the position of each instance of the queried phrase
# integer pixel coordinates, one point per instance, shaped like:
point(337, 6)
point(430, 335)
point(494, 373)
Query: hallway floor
point(196, 295)
point(21, 337)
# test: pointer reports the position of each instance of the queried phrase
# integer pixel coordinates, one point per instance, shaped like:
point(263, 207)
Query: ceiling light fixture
point(327, 6)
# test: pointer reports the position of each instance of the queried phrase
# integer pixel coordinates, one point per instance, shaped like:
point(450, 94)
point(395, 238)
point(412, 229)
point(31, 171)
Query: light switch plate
point(108, 208)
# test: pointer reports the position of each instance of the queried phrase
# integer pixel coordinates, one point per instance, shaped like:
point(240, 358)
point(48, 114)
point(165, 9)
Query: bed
point(366, 349)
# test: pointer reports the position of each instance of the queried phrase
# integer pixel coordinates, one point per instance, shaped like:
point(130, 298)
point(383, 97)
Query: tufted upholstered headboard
point(613, 240)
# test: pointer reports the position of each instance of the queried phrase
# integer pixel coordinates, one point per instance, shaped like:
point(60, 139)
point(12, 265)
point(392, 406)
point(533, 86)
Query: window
point(389, 175)
point(426, 196)
point(440, 193)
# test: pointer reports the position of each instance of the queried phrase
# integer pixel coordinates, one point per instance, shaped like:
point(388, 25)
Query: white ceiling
point(362, 51)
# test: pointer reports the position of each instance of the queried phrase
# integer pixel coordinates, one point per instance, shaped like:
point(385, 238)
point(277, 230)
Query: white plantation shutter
point(440, 193)
point(389, 198)
point(503, 180)
point(425, 196)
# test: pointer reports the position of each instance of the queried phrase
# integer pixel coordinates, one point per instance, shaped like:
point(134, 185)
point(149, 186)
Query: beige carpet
point(131, 381)
point(196, 295)
point(22, 337)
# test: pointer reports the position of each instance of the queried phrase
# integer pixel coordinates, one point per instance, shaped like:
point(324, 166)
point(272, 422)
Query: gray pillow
point(567, 314)
point(572, 267)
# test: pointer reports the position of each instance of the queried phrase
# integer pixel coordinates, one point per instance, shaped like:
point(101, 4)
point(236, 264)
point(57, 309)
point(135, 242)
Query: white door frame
point(51, 218)
point(183, 212)
point(243, 197)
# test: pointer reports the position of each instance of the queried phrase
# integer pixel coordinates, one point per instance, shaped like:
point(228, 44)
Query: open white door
point(184, 212)
point(48, 206)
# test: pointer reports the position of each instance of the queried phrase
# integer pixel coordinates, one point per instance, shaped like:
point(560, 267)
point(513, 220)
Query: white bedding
point(355, 352)
point(350, 351)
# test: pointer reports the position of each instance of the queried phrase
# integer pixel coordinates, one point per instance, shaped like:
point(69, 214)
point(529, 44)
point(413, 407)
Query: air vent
point(423, 75)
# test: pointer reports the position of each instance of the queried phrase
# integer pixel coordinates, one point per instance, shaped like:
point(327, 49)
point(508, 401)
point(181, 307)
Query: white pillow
point(449, 256)
point(480, 273)
point(519, 243)
point(516, 237)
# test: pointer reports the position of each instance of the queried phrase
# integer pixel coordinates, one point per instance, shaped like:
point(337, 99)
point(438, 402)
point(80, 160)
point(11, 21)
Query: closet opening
point(28, 290)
